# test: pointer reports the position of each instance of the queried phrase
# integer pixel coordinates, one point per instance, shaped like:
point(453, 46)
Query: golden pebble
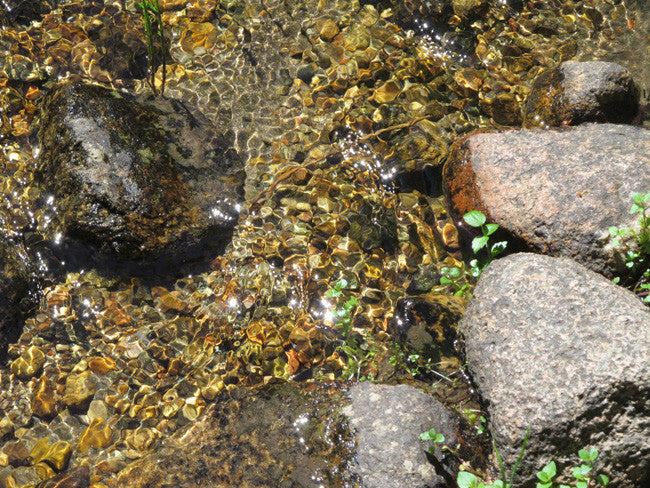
point(29, 363)
point(56, 455)
point(98, 435)
point(101, 365)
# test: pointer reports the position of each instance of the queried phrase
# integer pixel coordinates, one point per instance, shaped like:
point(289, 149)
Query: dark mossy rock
point(24, 11)
point(303, 436)
point(136, 179)
point(576, 92)
point(18, 292)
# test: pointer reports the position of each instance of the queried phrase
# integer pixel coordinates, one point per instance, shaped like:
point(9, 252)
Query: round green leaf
point(479, 243)
point(466, 480)
point(474, 218)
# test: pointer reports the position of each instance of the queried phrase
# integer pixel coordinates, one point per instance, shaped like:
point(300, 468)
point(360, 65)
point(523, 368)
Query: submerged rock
point(557, 348)
point(24, 11)
point(576, 92)
point(558, 191)
point(18, 292)
point(136, 178)
point(293, 435)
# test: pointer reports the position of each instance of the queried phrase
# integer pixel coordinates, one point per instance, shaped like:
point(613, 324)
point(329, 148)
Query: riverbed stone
point(557, 192)
point(293, 435)
point(575, 92)
point(24, 11)
point(388, 421)
point(562, 350)
point(17, 291)
point(136, 178)
point(79, 391)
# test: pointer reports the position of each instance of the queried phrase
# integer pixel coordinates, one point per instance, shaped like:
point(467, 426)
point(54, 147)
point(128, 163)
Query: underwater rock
point(17, 292)
point(24, 11)
point(562, 350)
point(557, 192)
point(576, 92)
point(136, 178)
point(427, 324)
point(295, 436)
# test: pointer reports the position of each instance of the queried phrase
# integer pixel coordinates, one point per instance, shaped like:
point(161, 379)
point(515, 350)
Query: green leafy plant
point(456, 280)
point(582, 474)
point(358, 354)
point(465, 479)
point(478, 220)
point(637, 261)
point(153, 31)
point(434, 437)
point(414, 364)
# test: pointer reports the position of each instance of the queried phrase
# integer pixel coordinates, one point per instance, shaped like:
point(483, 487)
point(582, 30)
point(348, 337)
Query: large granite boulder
point(576, 92)
point(555, 191)
point(297, 436)
point(134, 178)
point(560, 349)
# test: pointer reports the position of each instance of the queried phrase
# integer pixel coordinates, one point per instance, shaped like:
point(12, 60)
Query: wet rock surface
point(137, 179)
point(557, 348)
point(576, 92)
point(558, 191)
point(276, 436)
point(388, 421)
point(18, 291)
point(312, 435)
point(24, 11)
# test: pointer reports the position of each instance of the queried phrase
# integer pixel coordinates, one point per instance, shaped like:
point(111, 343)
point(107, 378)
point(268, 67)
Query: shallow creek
point(344, 112)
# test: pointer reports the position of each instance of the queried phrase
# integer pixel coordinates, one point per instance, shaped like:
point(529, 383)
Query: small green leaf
point(547, 472)
point(613, 231)
point(640, 198)
point(491, 229)
point(454, 272)
point(479, 243)
point(439, 438)
point(498, 248)
point(593, 454)
point(602, 479)
point(635, 208)
point(582, 484)
point(474, 218)
point(544, 485)
point(466, 480)
point(444, 280)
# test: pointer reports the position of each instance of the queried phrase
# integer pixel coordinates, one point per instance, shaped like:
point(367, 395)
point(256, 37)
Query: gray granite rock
point(388, 420)
point(560, 349)
point(555, 191)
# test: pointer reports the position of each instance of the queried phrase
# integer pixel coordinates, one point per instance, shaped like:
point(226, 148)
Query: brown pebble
point(450, 236)
point(98, 435)
point(101, 365)
point(43, 403)
point(29, 363)
point(74, 478)
point(79, 391)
